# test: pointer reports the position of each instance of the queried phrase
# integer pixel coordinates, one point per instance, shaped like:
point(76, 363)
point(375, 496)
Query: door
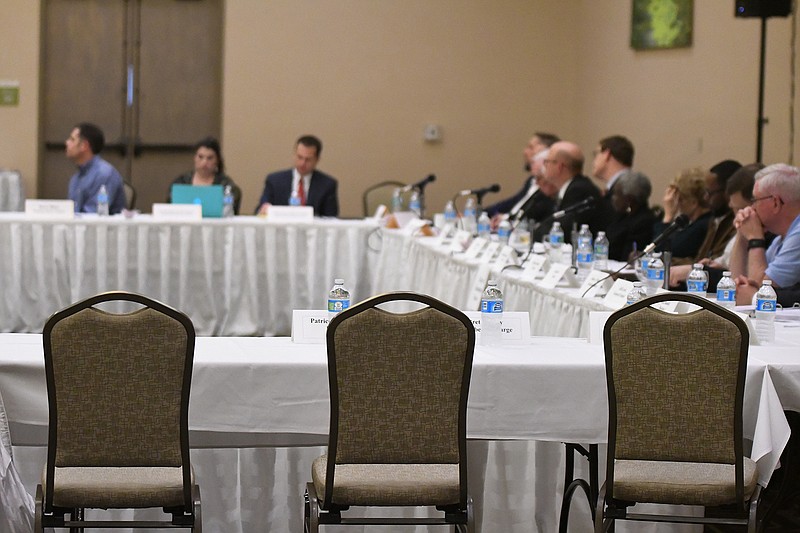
point(148, 72)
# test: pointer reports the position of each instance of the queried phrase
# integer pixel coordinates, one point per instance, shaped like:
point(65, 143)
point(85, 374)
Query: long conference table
point(259, 405)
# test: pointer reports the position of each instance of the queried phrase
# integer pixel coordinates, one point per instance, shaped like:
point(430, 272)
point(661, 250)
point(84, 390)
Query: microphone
point(420, 185)
point(580, 206)
point(480, 192)
point(678, 224)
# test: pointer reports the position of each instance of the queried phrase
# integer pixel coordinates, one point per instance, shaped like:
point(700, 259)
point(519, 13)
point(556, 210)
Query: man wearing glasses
point(775, 208)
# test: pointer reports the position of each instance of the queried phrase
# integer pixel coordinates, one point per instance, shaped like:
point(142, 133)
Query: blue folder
point(209, 196)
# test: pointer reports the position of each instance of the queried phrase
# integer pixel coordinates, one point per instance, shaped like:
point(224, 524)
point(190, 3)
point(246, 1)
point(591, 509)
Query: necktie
point(301, 192)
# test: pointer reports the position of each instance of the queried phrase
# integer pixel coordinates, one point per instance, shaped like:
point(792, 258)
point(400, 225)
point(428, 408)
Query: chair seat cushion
point(707, 484)
point(389, 484)
point(118, 487)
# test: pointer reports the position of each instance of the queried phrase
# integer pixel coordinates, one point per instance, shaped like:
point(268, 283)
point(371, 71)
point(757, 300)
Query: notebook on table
point(209, 196)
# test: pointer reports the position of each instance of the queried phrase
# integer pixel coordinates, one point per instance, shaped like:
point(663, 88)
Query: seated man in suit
point(613, 157)
point(313, 187)
point(563, 169)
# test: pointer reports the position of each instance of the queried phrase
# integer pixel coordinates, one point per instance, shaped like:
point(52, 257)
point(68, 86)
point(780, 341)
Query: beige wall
point(367, 76)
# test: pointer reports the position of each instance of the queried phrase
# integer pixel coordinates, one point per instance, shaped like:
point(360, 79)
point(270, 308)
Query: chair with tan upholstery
point(398, 388)
point(118, 393)
point(675, 394)
point(379, 194)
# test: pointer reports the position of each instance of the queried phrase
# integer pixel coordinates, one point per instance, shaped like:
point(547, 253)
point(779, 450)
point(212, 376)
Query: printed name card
point(290, 213)
point(507, 256)
point(597, 283)
point(617, 295)
point(177, 211)
point(515, 326)
point(461, 241)
point(309, 326)
point(554, 275)
point(413, 226)
point(475, 248)
point(490, 251)
point(534, 265)
point(50, 209)
point(444, 235)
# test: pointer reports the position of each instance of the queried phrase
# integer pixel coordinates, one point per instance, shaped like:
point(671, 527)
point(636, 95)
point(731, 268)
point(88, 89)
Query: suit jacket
point(504, 206)
point(607, 215)
point(579, 189)
point(322, 192)
point(630, 228)
point(717, 237)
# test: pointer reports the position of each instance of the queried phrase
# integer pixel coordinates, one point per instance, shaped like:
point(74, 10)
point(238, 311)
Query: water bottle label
point(491, 306)
point(102, 198)
point(337, 306)
point(696, 286)
point(503, 232)
point(294, 201)
point(765, 305)
point(584, 257)
point(483, 228)
point(556, 239)
point(726, 295)
point(600, 249)
point(655, 273)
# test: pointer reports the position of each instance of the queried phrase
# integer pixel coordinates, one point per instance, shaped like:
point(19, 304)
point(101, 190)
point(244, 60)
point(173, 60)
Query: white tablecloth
point(270, 391)
point(12, 192)
point(240, 276)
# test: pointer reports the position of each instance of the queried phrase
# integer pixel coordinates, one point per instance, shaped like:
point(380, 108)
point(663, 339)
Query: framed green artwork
point(661, 24)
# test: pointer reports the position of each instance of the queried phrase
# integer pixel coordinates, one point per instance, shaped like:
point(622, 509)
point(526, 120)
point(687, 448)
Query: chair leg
point(197, 527)
point(77, 516)
point(753, 525)
point(311, 518)
point(602, 524)
point(37, 518)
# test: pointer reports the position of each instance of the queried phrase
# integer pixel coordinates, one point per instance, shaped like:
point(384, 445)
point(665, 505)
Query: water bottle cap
point(637, 283)
point(584, 226)
point(491, 283)
point(726, 273)
point(698, 266)
point(767, 282)
point(601, 234)
point(338, 281)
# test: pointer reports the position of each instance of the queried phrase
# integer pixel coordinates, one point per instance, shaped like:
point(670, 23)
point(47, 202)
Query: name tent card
point(489, 252)
point(461, 241)
point(413, 226)
point(597, 283)
point(290, 213)
point(177, 211)
point(534, 264)
point(507, 256)
point(617, 295)
point(554, 275)
point(50, 209)
point(475, 248)
point(309, 326)
point(515, 326)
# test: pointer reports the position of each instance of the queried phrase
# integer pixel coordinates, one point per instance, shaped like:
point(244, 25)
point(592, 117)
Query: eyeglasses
point(756, 200)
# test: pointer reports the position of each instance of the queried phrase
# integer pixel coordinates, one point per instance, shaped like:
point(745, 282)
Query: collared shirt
point(86, 182)
point(296, 177)
point(615, 177)
point(531, 191)
point(783, 257)
point(563, 190)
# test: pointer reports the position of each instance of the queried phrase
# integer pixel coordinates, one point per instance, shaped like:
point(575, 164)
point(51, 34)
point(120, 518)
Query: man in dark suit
point(314, 188)
point(613, 157)
point(563, 170)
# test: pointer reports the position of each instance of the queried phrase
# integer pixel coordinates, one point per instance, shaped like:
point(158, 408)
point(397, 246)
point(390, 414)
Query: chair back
point(118, 386)
point(130, 195)
point(399, 384)
point(676, 383)
point(379, 194)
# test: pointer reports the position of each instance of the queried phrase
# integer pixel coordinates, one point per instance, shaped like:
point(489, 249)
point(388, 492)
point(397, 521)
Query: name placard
point(475, 248)
point(461, 241)
point(413, 226)
point(177, 211)
point(309, 326)
point(489, 252)
point(617, 295)
point(50, 209)
point(554, 275)
point(596, 283)
point(515, 326)
point(534, 264)
point(290, 213)
point(507, 256)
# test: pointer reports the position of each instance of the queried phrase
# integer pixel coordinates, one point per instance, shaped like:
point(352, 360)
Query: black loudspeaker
point(763, 8)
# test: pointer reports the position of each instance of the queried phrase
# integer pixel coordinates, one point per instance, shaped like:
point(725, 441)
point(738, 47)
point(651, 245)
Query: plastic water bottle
point(504, 231)
point(227, 202)
point(102, 201)
point(726, 291)
point(697, 282)
point(636, 293)
point(338, 298)
point(469, 220)
point(601, 251)
point(294, 199)
point(491, 314)
point(556, 242)
point(484, 226)
point(414, 204)
point(585, 252)
point(450, 213)
point(397, 201)
point(655, 273)
point(766, 305)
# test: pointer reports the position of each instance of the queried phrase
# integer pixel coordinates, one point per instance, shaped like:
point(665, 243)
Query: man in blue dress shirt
point(84, 144)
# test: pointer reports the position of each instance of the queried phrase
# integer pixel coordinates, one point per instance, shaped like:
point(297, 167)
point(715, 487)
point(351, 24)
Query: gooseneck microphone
point(680, 222)
point(420, 185)
point(580, 206)
point(480, 192)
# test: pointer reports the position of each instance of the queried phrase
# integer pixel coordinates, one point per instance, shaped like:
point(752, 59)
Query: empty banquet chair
point(675, 395)
point(398, 390)
point(379, 194)
point(118, 393)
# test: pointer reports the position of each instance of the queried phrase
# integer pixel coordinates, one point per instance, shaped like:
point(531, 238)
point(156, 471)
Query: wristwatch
point(756, 243)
